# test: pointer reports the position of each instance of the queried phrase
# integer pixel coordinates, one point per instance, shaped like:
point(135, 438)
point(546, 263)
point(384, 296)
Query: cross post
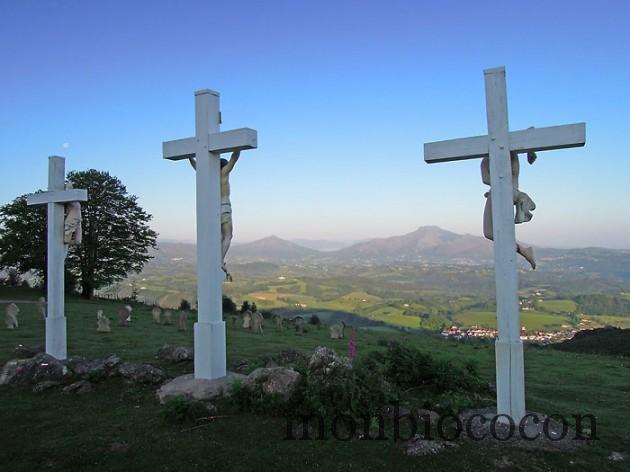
point(54, 198)
point(498, 144)
point(206, 147)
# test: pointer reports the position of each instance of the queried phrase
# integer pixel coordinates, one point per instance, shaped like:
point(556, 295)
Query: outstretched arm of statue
point(233, 160)
point(193, 162)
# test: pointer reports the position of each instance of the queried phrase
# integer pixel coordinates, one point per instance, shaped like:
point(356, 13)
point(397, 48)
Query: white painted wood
point(54, 198)
point(179, 149)
point(206, 147)
point(532, 139)
point(57, 196)
point(548, 138)
point(510, 384)
point(234, 140)
point(210, 357)
point(498, 144)
point(456, 149)
point(226, 141)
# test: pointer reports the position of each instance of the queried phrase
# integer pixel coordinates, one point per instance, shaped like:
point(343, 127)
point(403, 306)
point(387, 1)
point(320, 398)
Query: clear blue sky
point(343, 95)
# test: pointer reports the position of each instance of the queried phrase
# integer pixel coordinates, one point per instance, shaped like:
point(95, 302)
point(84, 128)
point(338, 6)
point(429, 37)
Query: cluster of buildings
point(539, 337)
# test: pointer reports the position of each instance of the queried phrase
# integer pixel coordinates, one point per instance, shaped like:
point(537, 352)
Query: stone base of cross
point(498, 144)
point(54, 198)
point(206, 146)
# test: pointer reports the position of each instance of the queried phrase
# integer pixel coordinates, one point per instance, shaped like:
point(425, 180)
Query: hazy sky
point(343, 95)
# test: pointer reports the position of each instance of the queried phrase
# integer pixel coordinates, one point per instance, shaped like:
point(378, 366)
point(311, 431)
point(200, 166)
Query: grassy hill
point(120, 427)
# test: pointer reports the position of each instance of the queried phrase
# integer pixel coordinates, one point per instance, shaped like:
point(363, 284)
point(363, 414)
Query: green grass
point(531, 320)
point(557, 306)
point(52, 431)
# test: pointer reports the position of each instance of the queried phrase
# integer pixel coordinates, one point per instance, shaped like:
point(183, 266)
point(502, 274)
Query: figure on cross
point(523, 203)
point(226, 206)
point(72, 233)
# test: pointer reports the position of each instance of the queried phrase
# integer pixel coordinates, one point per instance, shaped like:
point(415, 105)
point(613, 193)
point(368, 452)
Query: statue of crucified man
point(524, 204)
point(226, 206)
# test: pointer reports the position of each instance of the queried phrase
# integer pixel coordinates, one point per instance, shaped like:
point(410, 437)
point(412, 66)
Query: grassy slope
point(53, 431)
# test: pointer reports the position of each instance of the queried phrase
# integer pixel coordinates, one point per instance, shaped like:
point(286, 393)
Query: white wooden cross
point(207, 146)
point(498, 144)
point(55, 197)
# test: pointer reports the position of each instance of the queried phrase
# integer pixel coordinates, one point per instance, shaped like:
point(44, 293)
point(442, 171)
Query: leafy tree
point(116, 235)
point(245, 306)
point(228, 305)
point(23, 237)
point(314, 320)
point(184, 305)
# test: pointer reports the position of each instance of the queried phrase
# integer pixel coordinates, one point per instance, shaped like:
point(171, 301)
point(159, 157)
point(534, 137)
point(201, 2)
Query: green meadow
point(121, 427)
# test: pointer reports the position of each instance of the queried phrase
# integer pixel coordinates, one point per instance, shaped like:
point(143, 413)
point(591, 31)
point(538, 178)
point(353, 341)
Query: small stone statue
point(10, 318)
point(124, 315)
point(278, 319)
point(157, 313)
point(102, 322)
point(168, 317)
point(247, 319)
point(257, 322)
point(182, 321)
point(523, 203)
point(72, 222)
point(337, 330)
point(299, 325)
point(42, 307)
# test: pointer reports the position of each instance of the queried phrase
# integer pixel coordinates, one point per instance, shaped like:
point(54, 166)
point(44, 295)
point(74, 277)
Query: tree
point(184, 305)
point(228, 305)
point(116, 235)
point(23, 237)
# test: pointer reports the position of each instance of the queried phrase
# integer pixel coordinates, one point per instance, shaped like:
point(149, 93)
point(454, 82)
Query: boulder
point(27, 352)
point(188, 387)
point(175, 353)
point(141, 373)
point(279, 381)
point(93, 368)
point(326, 360)
point(32, 371)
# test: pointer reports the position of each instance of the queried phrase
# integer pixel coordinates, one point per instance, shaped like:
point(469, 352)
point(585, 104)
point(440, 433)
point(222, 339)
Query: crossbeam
point(525, 140)
point(226, 141)
point(57, 196)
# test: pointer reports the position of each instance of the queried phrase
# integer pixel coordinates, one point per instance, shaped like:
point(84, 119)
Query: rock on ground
point(418, 446)
point(326, 359)
point(93, 368)
point(141, 373)
point(27, 352)
point(280, 381)
point(40, 368)
point(188, 387)
point(175, 353)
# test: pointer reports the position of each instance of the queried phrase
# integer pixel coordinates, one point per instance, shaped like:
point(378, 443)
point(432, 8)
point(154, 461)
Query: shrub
point(184, 305)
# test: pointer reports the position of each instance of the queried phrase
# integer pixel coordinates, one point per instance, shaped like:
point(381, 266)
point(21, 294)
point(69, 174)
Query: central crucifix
point(498, 145)
point(206, 148)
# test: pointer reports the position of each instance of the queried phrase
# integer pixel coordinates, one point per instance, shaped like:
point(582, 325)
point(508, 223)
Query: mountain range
point(427, 244)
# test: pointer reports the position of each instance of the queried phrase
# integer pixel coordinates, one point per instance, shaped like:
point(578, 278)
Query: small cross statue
point(206, 146)
point(498, 144)
point(55, 198)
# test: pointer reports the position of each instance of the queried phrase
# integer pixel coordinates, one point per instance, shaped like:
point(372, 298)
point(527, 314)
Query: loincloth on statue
point(524, 206)
point(226, 210)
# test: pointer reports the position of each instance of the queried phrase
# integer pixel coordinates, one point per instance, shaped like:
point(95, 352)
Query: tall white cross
point(207, 146)
point(55, 197)
point(498, 144)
